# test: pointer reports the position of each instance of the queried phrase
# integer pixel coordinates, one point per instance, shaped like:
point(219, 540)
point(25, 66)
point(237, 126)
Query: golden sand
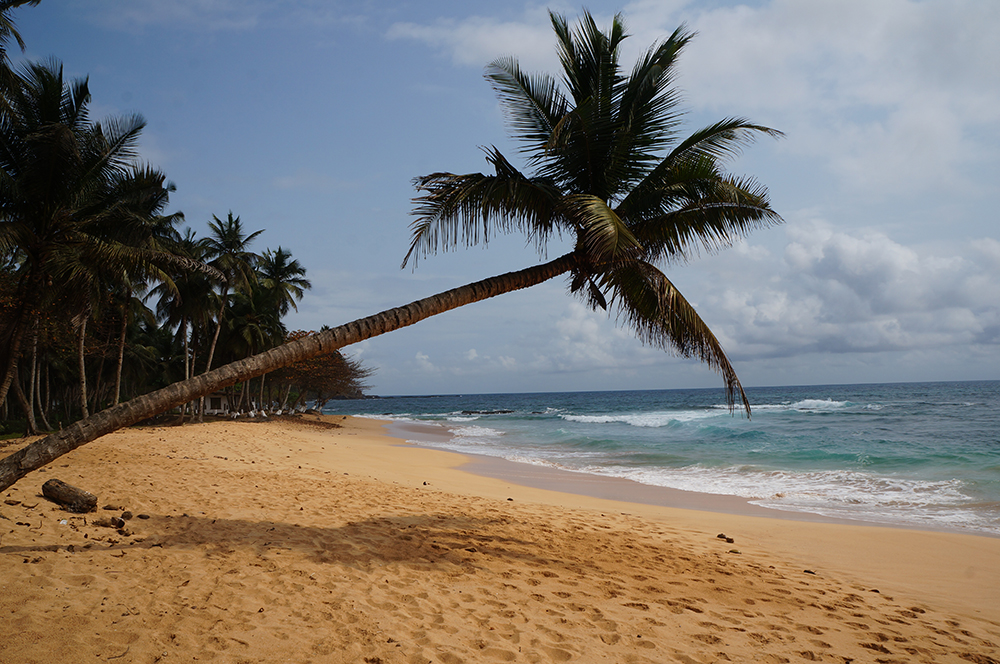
point(292, 542)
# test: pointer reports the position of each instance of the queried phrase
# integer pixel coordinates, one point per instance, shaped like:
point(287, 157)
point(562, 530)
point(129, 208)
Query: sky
point(310, 118)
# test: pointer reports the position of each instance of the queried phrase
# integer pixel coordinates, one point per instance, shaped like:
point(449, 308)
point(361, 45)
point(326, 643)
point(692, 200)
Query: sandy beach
point(325, 540)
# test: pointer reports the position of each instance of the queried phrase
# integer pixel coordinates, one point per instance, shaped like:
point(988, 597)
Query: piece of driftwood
point(70, 497)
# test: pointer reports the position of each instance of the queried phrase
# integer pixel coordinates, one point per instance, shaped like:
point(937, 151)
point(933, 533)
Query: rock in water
point(70, 497)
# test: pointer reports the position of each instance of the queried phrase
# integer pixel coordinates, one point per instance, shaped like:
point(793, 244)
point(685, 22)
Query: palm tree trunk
point(31, 428)
point(41, 404)
point(28, 297)
point(83, 368)
point(121, 347)
point(99, 386)
point(32, 381)
point(51, 447)
point(187, 362)
point(211, 348)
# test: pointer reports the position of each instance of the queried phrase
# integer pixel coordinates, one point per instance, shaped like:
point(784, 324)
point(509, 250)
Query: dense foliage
point(102, 296)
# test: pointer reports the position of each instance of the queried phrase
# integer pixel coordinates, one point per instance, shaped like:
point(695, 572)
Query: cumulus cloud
point(862, 291)
point(891, 96)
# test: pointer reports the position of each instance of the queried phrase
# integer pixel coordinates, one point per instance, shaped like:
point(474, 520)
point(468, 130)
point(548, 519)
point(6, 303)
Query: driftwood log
point(70, 497)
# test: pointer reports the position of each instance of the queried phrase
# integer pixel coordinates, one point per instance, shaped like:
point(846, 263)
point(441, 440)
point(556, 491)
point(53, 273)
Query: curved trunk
point(51, 447)
point(31, 429)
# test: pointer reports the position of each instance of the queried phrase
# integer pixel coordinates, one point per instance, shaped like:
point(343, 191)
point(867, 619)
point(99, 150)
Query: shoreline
point(938, 563)
point(293, 541)
point(624, 489)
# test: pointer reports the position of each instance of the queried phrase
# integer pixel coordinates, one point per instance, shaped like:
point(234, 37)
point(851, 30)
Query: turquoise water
point(922, 455)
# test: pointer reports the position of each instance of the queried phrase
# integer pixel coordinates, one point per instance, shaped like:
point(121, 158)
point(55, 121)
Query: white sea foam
point(652, 419)
point(841, 494)
point(392, 417)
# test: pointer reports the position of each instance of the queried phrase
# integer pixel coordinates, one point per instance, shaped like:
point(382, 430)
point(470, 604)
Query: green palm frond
point(601, 234)
point(722, 141)
point(470, 209)
point(706, 215)
point(647, 113)
point(533, 105)
point(661, 317)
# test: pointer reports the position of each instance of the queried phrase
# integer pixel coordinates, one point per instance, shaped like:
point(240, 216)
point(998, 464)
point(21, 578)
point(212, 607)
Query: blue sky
point(310, 119)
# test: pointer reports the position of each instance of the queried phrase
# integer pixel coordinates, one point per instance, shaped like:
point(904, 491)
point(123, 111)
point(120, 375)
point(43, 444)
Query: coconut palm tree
point(228, 250)
point(65, 190)
point(600, 176)
point(228, 247)
point(283, 278)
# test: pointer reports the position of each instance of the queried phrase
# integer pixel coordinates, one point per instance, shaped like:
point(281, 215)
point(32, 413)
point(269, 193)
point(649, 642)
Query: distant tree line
point(102, 296)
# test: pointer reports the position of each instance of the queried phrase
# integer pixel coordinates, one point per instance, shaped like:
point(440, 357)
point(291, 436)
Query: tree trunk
point(99, 387)
point(83, 368)
point(211, 348)
point(31, 428)
point(51, 447)
point(28, 297)
point(72, 498)
point(187, 362)
point(42, 410)
point(121, 347)
point(32, 381)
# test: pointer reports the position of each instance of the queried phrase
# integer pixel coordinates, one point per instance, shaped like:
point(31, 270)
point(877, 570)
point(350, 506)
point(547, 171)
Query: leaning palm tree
point(600, 175)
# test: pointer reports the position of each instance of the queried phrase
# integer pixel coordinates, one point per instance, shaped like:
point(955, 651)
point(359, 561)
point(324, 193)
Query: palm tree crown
point(595, 142)
point(283, 278)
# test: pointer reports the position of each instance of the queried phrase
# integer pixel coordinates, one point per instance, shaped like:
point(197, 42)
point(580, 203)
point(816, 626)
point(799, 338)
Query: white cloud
point(892, 95)
point(478, 40)
point(859, 291)
point(202, 14)
point(423, 362)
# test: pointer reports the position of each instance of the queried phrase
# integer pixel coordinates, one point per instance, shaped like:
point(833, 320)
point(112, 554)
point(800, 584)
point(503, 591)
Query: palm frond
point(470, 209)
point(722, 141)
point(661, 317)
point(601, 235)
point(533, 105)
point(700, 213)
point(647, 112)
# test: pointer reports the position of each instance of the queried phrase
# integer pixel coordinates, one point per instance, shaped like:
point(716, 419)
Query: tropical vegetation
point(102, 296)
point(606, 167)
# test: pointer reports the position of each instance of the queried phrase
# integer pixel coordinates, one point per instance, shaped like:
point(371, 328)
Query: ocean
point(917, 455)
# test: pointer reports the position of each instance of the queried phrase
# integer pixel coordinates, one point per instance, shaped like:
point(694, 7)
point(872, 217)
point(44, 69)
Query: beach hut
point(217, 403)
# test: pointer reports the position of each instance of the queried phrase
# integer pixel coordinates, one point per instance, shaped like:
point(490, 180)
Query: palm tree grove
point(113, 312)
point(103, 295)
